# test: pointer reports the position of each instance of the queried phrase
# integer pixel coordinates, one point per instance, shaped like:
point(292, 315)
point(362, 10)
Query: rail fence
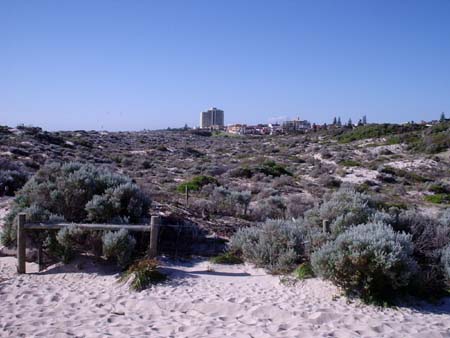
point(23, 227)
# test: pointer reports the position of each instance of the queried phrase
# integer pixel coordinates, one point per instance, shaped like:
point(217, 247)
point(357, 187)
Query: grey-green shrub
point(429, 235)
point(343, 208)
point(118, 246)
point(67, 239)
point(78, 193)
point(445, 263)
point(275, 245)
point(273, 207)
point(444, 217)
point(369, 260)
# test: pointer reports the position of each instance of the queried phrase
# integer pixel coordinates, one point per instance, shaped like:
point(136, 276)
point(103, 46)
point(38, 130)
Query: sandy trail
point(201, 300)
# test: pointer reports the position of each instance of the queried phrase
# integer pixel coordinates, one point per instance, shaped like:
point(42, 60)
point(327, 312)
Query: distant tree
point(364, 119)
point(360, 122)
point(339, 123)
point(186, 127)
point(442, 119)
point(349, 123)
point(334, 121)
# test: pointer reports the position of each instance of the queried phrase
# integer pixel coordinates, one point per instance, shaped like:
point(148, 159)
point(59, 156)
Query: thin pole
point(21, 243)
point(154, 230)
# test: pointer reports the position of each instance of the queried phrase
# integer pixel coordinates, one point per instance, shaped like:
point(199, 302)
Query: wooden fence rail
point(22, 226)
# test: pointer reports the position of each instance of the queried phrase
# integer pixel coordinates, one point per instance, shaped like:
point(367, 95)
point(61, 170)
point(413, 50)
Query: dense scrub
point(275, 245)
point(79, 193)
point(12, 177)
point(375, 131)
point(371, 252)
point(370, 260)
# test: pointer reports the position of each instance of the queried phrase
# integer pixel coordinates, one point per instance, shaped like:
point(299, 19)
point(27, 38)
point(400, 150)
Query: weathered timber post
point(21, 242)
point(325, 226)
point(154, 230)
point(39, 257)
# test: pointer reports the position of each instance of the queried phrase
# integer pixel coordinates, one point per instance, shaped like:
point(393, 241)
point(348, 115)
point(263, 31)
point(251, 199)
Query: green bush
point(196, 183)
point(118, 246)
point(438, 198)
point(143, 273)
point(375, 131)
point(275, 245)
point(371, 261)
point(271, 168)
point(227, 258)
point(350, 163)
point(304, 271)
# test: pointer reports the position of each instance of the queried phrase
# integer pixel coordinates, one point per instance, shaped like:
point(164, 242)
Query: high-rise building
point(212, 118)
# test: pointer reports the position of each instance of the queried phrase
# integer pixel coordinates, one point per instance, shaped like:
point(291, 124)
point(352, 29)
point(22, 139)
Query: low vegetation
point(143, 274)
point(228, 258)
point(290, 203)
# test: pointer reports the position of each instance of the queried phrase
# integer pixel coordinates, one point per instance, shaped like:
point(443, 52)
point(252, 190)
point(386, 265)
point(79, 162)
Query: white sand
point(237, 301)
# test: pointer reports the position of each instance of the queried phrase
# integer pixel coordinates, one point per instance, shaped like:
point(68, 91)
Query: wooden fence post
point(40, 257)
point(154, 230)
point(21, 243)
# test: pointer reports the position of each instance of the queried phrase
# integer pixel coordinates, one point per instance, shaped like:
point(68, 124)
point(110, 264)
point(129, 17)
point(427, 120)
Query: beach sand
point(200, 300)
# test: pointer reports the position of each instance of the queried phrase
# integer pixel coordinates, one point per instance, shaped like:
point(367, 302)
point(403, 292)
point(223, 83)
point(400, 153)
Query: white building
point(212, 118)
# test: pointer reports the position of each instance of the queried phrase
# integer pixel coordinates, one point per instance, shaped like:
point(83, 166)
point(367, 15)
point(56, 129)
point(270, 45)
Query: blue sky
point(130, 65)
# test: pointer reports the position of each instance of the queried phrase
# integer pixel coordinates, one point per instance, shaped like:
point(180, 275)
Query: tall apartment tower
point(212, 118)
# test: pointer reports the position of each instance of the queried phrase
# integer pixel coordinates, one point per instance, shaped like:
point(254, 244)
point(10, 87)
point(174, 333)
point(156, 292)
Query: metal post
point(21, 243)
point(154, 230)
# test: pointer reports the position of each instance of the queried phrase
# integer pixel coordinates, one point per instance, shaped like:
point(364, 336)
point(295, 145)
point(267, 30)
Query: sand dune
point(201, 300)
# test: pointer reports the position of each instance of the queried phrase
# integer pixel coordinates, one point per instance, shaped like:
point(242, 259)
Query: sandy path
point(237, 301)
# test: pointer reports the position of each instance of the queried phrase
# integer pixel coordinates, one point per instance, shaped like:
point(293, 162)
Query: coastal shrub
point(275, 245)
point(371, 261)
point(271, 168)
point(68, 238)
point(350, 163)
point(78, 193)
point(229, 202)
point(118, 246)
point(429, 236)
point(438, 198)
point(272, 207)
point(445, 262)
point(444, 217)
point(304, 271)
point(143, 274)
point(228, 257)
point(196, 183)
point(376, 130)
point(297, 205)
point(342, 209)
point(122, 204)
point(12, 177)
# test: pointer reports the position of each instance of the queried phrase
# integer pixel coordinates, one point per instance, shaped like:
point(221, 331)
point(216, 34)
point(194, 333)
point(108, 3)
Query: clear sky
point(130, 65)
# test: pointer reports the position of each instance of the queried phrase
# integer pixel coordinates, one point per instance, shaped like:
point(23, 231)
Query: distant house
point(237, 129)
point(275, 128)
point(296, 126)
